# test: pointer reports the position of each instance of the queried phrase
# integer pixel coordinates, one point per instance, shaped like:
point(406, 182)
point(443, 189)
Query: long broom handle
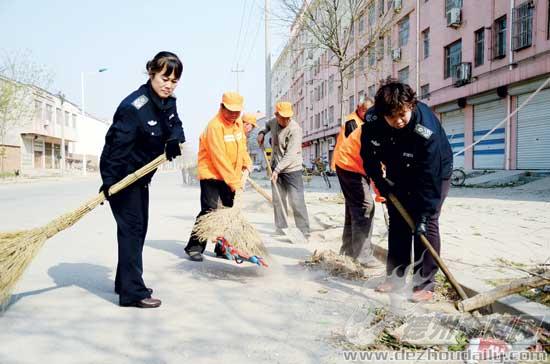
point(428, 246)
point(60, 223)
point(275, 188)
point(260, 190)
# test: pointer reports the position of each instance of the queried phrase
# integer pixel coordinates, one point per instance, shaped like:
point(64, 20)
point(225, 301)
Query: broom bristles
point(18, 248)
point(232, 225)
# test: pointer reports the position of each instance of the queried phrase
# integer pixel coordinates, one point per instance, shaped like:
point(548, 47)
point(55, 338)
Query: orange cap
point(250, 119)
point(233, 101)
point(284, 109)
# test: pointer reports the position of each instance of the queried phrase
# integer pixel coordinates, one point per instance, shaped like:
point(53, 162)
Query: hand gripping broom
point(18, 248)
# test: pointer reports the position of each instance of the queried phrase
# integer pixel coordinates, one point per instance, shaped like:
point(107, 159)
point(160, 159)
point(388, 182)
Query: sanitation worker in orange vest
point(223, 158)
point(359, 204)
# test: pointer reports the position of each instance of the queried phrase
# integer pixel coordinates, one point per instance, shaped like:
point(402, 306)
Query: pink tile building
point(478, 61)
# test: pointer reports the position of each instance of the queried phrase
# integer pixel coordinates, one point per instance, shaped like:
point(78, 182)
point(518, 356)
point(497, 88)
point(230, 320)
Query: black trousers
point(399, 244)
point(359, 213)
point(211, 191)
point(130, 208)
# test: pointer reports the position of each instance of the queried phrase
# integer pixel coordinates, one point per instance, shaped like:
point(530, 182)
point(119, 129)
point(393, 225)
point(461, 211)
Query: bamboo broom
point(18, 248)
point(231, 224)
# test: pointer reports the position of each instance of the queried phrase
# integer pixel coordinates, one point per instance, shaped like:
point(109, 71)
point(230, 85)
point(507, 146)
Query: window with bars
point(479, 47)
point(425, 91)
point(404, 31)
point(426, 42)
point(522, 25)
point(453, 57)
point(500, 38)
point(403, 75)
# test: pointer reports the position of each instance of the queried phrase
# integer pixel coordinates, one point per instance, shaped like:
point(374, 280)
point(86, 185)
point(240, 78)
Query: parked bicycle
point(458, 177)
point(321, 170)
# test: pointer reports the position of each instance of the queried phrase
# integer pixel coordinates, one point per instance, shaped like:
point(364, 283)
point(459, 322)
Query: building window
point(371, 15)
point(311, 123)
point(67, 117)
point(425, 91)
point(380, 48)
point(404, 31)
point(403, 75)
point(480, 47)
point(37, 110)
point(426, 41)
point(372, 91)
point(381, 7)
point(361, 64)
point(330, 84)
point(361, 97)
point(74, 120)
point(317, 121)
point(331, 114)
point(500, 37)
point(372, 57)
point(58, 116)
point(351, 104)
point(49, 113)
point(450, 4)
point(388, 44)
point(361, 25)
point(453, 57)
point(522, 26)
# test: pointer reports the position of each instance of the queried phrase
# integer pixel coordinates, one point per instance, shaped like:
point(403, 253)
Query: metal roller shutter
point(489, 153)
point(533, 136)
point(453, 123)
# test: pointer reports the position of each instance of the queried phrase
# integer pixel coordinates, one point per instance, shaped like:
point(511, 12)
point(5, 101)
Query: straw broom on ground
point(231, 224)
point(18, 248)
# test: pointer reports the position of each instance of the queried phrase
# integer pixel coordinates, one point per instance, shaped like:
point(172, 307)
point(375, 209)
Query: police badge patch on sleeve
point(140, 101)
point(423, 131)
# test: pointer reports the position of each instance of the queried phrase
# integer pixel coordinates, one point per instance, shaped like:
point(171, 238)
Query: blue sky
point(122, 35)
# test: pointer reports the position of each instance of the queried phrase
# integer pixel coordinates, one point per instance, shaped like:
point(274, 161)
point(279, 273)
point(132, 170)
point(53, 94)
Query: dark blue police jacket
point(417, 158)
point(142, 124)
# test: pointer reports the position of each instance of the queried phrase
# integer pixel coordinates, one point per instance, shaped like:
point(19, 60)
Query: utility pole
point(237, 71)
point(268, 111)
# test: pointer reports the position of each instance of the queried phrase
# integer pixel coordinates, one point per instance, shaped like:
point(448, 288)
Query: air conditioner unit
point(396, 54)
point(463, 74)
point(454, 17)
point(397, 5)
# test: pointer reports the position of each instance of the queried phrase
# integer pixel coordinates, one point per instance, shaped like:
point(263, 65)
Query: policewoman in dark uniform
point(406, 136)
point(145, 125)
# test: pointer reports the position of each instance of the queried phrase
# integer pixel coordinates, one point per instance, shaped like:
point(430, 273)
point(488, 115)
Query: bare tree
point(331, 25)
point(19, 78)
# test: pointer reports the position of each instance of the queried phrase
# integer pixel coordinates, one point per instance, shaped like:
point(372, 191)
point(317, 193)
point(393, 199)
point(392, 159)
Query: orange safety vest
point(347, 152)
point(223, 152)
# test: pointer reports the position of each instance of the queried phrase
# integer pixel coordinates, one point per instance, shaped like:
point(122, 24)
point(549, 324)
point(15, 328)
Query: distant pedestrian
point(145, 125)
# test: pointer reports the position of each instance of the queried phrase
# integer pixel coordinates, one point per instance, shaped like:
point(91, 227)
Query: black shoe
point(144, 303)
point(150, 290)
point(195, 256)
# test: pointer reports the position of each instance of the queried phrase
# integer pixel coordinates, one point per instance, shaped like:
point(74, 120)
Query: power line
point(235, 58)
